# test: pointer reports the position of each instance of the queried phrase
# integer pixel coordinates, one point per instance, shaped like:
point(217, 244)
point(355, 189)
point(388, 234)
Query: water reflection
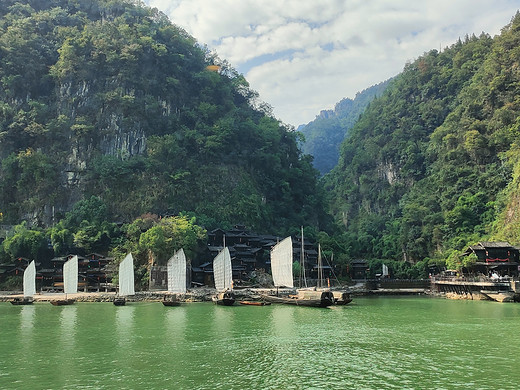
point(68, 318)
point(27, 316)
point(282, 323)
point(125, 319)
point(27, 320)
point(222, 320)
point(175, 324)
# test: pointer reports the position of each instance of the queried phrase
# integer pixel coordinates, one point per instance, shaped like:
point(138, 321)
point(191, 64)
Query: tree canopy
point(431, 166)
point(109, 99)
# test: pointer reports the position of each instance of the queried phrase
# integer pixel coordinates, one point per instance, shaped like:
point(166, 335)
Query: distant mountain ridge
point(324, 135)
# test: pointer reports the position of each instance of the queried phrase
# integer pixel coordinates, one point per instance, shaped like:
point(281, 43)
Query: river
point(373, 343)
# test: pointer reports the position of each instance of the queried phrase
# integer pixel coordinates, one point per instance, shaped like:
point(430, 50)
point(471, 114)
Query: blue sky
point(303, 56)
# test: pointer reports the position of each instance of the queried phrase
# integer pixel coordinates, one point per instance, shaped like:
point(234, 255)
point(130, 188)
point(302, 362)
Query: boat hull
point(326, 300)
point(119, 301)
point(171, 303)
point(341, 298)
point(226, 298)
point(62, 302)
point(255, 303)
point(22, 301)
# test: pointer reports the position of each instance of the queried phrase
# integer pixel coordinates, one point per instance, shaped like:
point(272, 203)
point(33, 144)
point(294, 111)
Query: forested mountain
point(107, 98)
point(433, 164)
point(324, 135)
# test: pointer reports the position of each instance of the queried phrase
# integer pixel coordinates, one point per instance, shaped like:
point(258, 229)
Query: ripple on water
point(394, 343)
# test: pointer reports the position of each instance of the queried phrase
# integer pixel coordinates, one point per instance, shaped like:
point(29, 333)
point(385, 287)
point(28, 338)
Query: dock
point(477, 288)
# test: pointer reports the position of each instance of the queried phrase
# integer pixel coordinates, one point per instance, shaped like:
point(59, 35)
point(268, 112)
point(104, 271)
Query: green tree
point(25, 242)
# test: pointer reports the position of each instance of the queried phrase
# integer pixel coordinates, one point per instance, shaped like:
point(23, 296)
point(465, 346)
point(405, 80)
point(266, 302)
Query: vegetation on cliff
point(118, 131)
point(432, 165)
point(108, 98)
point(324, 135)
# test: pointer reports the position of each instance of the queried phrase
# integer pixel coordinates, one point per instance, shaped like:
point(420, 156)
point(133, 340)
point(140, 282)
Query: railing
point(473, 279)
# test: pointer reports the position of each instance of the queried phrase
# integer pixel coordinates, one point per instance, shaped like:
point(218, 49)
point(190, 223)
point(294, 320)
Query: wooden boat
point(222, 274)
point(29, 286)
point(119, 301)
point(255, 303)
point(62, 302)
point(341, 298)
point(22, 301)
point(126, 280)
point(176, 271)
point(224, 298)
point(281, 269)
point(171, 300)
point(318, 299)
point(70, 282)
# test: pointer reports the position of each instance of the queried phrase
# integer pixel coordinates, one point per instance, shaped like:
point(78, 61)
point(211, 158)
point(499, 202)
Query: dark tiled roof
point(498, 244)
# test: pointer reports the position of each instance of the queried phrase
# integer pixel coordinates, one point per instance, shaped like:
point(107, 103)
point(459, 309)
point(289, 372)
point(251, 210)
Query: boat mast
point(224, 247)
point(320, 268)
point(302, 262)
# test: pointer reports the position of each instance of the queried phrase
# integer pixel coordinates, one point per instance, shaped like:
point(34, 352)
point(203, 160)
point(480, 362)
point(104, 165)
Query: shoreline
point(199, 294)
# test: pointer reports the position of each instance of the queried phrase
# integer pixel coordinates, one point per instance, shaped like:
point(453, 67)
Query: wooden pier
point(478, 288)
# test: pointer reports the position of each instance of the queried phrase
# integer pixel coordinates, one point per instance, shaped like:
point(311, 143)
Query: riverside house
point(494, 258)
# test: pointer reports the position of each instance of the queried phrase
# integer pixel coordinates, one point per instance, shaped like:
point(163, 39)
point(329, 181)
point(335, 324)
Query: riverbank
point(199, 294)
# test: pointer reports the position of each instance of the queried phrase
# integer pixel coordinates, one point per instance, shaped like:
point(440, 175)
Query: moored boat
point(22, 301)
point(126, 280)
point(170, 300)
point(119, 301)
point(224, 298)
point(255, 303)
point(176, 270)
point(70, 282)
point(281, 269)
point(29, 286)
point(308, 298)
point(62, 302)
point(341, 298)
point(222, 274)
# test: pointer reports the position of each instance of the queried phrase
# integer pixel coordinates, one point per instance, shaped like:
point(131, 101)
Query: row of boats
point(281, 268)
point(282, 273)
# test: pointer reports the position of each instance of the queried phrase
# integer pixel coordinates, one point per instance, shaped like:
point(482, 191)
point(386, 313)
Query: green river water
point(373, 343)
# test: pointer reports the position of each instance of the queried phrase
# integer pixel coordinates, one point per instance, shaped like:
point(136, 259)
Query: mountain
point(323, 136)
point(432, 165)
point(108, 98)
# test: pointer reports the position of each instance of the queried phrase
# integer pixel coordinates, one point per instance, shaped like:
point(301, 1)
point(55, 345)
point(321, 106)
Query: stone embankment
point(201, 294)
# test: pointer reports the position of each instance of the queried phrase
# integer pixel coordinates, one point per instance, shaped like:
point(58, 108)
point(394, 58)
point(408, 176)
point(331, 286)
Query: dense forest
point(120, 132)
point(109, 112)
point(432, 165)
point(324, 135)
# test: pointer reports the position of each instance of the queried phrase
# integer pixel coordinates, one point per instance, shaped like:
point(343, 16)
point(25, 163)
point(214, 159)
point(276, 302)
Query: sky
point(304, 56)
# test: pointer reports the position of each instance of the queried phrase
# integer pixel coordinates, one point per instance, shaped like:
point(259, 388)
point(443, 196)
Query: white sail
point(281, 263)
point(29, 280)
point(126, 276)
point(70, 276)
point(177, 272)
point(385, 270)
point(222, 270)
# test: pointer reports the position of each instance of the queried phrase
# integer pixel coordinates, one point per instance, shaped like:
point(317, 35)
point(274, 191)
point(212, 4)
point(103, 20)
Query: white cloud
point(303, 56)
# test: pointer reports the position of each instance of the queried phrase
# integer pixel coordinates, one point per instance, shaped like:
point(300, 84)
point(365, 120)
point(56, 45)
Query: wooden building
point(251, 252)
point(358, 270)
point(494, 258)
